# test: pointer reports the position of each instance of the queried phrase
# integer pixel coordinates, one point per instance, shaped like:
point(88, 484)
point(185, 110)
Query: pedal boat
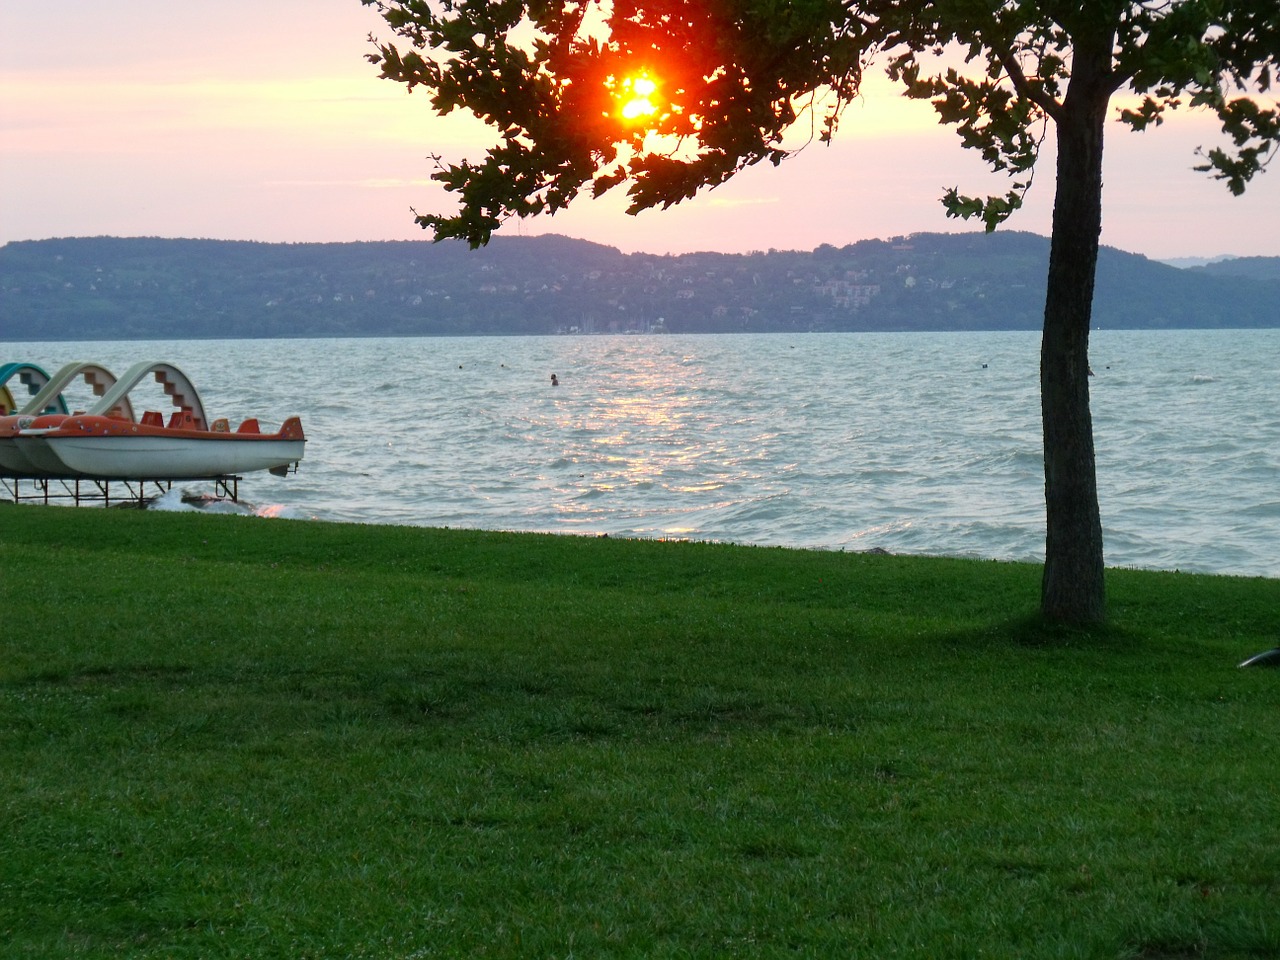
point(108, 443)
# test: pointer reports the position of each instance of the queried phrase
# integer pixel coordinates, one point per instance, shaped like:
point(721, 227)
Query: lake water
point(913, 443)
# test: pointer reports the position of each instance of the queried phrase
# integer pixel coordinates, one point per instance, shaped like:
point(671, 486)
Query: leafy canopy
point(557, 81)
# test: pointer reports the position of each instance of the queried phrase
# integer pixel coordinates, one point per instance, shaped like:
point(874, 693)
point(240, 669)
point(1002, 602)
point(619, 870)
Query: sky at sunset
point(261, 120)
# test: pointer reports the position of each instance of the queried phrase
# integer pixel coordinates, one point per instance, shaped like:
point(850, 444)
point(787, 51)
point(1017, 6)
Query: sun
point(638, 95)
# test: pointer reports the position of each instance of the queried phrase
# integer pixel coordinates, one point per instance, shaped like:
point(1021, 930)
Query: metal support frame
point(84, 491)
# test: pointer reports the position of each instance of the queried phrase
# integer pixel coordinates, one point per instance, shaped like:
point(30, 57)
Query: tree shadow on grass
point(1033, 632)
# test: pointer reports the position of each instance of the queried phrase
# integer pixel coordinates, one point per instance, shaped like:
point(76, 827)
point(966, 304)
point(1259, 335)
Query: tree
point(671, 96)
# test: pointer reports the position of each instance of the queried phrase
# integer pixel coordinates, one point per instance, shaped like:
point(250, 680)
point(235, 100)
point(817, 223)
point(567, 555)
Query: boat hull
point(14, 458)
point(159, 458)
point(98, 449)
point(12, 462)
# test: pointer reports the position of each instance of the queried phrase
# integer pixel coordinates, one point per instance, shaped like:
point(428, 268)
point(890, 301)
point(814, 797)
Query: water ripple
point(914, 443)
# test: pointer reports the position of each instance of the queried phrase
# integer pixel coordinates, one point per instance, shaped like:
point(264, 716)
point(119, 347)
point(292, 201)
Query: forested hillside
point(147, 288)
point(1253, 268)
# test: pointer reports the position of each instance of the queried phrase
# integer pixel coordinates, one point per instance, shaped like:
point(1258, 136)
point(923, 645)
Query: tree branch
point(1025, 87)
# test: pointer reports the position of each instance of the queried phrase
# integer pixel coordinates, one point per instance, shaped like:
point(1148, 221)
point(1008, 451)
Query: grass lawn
point(229, 737)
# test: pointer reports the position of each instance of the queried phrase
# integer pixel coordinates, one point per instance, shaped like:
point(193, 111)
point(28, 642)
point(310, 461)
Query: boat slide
point(33, 378)
point(29, 376)
point(47, 395)
point(115, 401)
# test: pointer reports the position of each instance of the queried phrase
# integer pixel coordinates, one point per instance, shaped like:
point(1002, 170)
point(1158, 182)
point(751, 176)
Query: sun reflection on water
point(656, 432)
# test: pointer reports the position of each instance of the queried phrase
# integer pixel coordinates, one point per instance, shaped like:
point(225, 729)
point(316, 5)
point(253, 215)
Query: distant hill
point(1183, 262)
point(148, 288)
point(1254, 268)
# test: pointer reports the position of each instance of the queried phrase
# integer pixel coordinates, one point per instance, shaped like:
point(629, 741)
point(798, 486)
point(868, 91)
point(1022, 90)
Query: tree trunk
point(1073, 589)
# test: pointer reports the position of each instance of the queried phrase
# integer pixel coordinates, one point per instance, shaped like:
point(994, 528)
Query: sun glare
point(638, 97)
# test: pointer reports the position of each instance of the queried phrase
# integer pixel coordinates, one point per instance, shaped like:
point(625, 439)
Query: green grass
point(228, 737)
